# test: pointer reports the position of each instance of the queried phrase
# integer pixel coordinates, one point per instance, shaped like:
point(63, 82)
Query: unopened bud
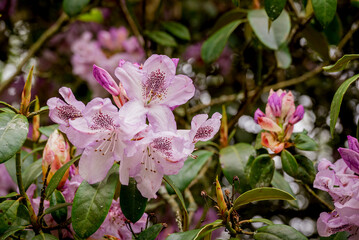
point(220, 198)
point(297, 115)
point(275, 104)
point(56, 154)
point(106, 81)
point(26, 94)
point(257, 114)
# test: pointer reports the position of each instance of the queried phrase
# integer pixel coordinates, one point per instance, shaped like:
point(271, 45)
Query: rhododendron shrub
point(109, 135)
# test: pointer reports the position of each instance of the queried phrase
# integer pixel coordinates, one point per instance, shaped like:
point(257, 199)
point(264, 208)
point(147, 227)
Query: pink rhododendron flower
point(115, 224)
point(106, 51)
point(154, 88)
point(342, 183)
point(7, 184)
point(278, 120)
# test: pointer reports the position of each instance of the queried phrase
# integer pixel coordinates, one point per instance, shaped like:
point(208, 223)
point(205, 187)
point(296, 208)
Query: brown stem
point(34, 48)
point(319, 198)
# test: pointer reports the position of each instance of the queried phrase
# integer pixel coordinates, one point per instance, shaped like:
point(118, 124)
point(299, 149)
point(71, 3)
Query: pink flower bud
point(56, 154)
point(275, 103)
point(297, 115)
point(106, 81)
point(257, 114)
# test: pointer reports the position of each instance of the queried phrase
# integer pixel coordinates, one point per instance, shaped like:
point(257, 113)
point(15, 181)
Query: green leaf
point(13, 133)
point(32, 173)
point(57, 209)
point(178, 30)
point(92, 203)
point(274, 8)
point(214, 45)
point(260, 194)
point(342, 63)
point(263, 220)
point(197, 233)
point(8, 214)
point(289, 163)
point(133, 204)
point(303, 142)
point(233, 161)
point(317, 41)
point(22, 216)
point(47, 130)
point(324, 10)
point(278, 232)
point(180, 197)
point(10, 195)
point(162, 38)
point(278, 32)
point(261, 171)
point(334, 31)
point(228, 17)
point(189, 170)
point(306, 171)
point(279, 182)
point(337, 101)
point(283, 57)
point(72, 8)
point(150, 233)
point(11, 231)
point(95, 15)
point(56, 178)
point(44, 236)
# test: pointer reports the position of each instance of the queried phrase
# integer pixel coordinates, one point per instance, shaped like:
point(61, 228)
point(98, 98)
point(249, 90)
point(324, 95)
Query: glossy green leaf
point(8, 214)
point(317, 41)
point(337, 101)
point(289, 164)
point(57, 207)
point(324, 10)
point(283, 57)
point(274, 8)
point(180, 197)
point(56, 178)
point(178, 30)
point(260, 194)
point(263, 220)
point(334, 31)
point(92, 203)
point(303, 142)
point(197, 233)
point(58, 213)
point(342, 63)
point(233, 161)
point(261, 171)
point(12, 230)
point(162, 38)
point(228, 17)
point(13, 133)
point(10, 195)
point(278, 232)
point(47, 130)
point(22, 216)
point(150, 233)
point(133, 204)
point(44, 236)
point(278, 32)
point(214, 45)
point(72, 8)
point(95, 15)
point(189, 170)
point(306, 171)
point(279, 182)
point(31, 173)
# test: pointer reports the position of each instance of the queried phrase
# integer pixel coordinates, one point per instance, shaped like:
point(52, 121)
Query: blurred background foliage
point(239, 77)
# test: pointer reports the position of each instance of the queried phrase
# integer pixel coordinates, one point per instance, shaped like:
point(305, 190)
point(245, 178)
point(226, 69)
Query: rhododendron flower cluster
point(106, 51)
point(278, 120)
point(141, 132)
point(341, 181)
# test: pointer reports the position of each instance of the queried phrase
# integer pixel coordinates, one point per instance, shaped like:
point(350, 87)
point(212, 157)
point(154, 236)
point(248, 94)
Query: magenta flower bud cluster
point(341, 181)
point(278, 120)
